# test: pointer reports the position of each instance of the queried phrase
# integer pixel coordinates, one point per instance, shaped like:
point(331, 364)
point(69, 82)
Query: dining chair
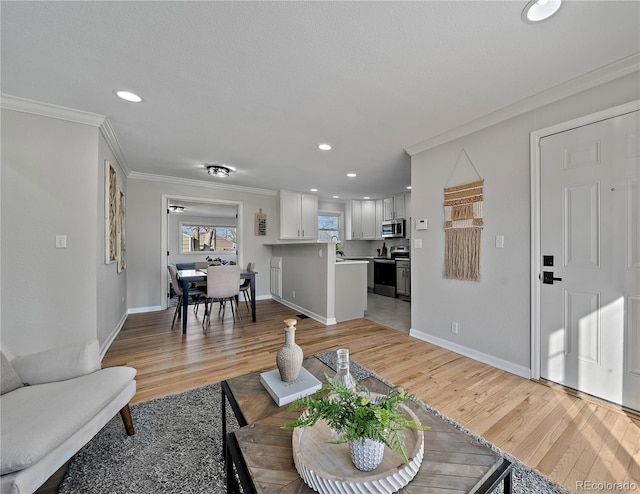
point(223, 283)
point(195, 293)
point(201, 282)
point(245, 287)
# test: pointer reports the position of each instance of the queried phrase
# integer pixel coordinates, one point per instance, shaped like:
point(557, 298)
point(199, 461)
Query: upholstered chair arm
point(59, 364)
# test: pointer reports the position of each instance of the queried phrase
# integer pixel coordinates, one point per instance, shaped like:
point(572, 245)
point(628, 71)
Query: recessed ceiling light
point(324, 146)
point(313, 190)
point(127, 96)
point(539, 10)
point(366, 197)
point(351, 175)
point(408, 187)
point(336, 197)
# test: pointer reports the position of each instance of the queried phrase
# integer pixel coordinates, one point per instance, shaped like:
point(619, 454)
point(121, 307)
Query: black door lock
point(547, 278)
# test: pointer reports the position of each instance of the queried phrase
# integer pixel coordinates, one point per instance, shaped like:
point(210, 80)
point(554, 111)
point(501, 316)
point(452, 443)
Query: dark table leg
point(252, 283)
point(231, 450)
point(502, 474)
point(185, 304)
point(237, 461)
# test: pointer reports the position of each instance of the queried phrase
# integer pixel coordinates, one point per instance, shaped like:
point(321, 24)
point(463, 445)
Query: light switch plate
point(417, 243)
point(61, 241)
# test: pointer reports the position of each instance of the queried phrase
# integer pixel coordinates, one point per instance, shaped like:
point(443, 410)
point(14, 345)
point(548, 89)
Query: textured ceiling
point(259, 85)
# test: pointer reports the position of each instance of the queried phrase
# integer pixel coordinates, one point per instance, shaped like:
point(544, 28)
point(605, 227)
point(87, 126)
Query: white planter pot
point(367, 455)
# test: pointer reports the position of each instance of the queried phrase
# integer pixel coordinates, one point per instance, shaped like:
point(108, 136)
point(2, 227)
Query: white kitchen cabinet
point(407, 206)
point(368, 220)
point(360, 220)
point(276, 276)
point(379, 218)
point(394, 207)
point(403, 278)
point(298, 216)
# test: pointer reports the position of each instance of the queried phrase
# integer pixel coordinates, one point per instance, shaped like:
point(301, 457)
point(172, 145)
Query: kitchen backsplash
point(353, 248)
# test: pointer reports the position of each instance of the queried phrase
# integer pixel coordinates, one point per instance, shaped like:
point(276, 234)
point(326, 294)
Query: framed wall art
point(121, 237)
point(110, 213)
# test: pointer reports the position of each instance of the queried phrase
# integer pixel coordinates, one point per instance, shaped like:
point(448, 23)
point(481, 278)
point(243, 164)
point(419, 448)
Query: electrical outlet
point(454, 327)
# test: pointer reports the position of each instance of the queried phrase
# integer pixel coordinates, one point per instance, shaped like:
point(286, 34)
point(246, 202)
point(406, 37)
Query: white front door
point(590, 248)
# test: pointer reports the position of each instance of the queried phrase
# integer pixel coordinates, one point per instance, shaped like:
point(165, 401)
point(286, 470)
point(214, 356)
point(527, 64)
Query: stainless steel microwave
point(393, 229)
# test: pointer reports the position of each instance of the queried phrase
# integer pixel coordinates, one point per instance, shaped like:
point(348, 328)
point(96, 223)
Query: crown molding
point(586, 81)
point(112, 141)
point(47, 110)
point(70, 115)
point(200, 183)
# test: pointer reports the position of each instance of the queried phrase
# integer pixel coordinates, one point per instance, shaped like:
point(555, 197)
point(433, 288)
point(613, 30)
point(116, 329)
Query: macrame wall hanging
point(462, 226)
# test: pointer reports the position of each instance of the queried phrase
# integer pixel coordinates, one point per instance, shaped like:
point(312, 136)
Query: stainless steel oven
point(384, 276)
point(385, 273)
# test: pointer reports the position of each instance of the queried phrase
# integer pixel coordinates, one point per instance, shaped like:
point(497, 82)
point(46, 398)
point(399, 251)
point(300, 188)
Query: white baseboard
point(107, 343)
point(140, 310)
point(324, 320)
point(496, 362)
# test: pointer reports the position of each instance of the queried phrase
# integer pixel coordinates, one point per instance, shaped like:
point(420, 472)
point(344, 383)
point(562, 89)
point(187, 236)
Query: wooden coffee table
point(261, 452)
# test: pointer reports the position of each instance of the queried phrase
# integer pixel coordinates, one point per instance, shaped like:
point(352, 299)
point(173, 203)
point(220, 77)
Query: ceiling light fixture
point(313, 190)
point(539, 10)
point(175, 208)
point(127, 96)
point(408, 187)
point(324, 146)
point(218, 170)
point(336, 197)
point(351, 175)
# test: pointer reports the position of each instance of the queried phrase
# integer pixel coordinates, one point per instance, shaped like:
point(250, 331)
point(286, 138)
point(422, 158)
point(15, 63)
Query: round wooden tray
point(327, 468)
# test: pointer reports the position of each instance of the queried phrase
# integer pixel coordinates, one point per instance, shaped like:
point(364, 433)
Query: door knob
point(547, 278)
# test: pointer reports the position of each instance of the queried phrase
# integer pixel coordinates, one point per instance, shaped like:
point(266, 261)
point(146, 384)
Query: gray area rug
point(177, 449)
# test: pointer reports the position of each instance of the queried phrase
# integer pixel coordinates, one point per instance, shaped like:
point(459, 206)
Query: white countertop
point(350, 261)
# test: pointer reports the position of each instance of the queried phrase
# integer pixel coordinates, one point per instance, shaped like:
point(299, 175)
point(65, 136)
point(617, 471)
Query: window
point(328, 227)
point(203, 238)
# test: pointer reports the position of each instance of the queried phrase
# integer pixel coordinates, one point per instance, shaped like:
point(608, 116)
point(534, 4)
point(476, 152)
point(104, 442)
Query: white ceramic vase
point(367, 455)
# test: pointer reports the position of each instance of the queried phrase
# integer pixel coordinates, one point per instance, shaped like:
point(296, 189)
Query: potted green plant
point(364, 420)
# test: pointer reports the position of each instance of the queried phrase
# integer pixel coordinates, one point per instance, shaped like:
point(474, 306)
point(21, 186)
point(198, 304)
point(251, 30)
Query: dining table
point(186, 276)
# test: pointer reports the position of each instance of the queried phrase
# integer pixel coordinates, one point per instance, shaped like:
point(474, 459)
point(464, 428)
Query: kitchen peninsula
point(307, 277)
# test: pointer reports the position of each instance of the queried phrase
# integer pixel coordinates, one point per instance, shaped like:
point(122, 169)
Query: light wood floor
point(569, 439)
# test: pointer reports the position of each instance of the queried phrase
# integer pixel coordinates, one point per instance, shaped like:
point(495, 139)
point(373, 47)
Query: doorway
point(586, 259)
point(198, 206)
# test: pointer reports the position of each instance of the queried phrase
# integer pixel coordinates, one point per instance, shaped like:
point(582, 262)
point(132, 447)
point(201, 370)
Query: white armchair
point(68, 399)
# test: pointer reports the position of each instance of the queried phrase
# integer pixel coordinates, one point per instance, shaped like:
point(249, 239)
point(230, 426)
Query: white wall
point(49, 182)
point(493, 314)
point(111, 290)
point(146, 262)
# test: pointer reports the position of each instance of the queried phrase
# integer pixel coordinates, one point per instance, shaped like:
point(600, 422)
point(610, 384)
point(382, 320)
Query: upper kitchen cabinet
point(298, 216)
point(379, 218)
point(360, 220)
point(394, 207)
